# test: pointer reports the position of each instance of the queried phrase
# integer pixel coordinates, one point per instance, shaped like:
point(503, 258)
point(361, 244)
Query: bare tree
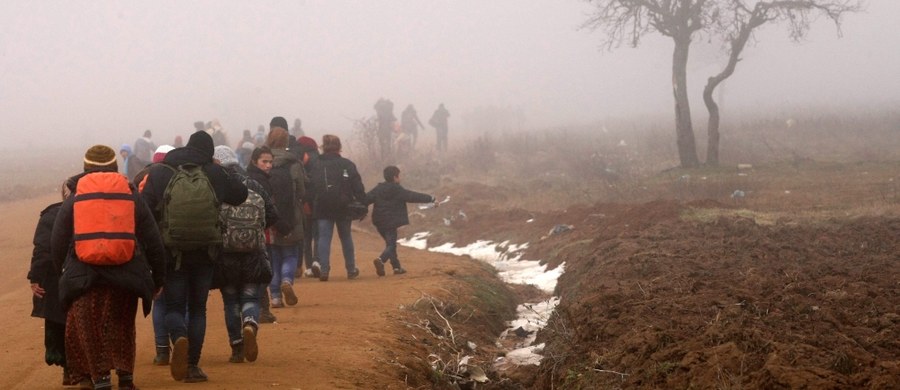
point(735, 21)
point(629, 20)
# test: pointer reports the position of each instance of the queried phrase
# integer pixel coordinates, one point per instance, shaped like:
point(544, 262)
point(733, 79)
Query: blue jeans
point(160, 332)
point(189, 287)
point(284, 266)
point(241, 305)
point(326, 231)
point(390, 246)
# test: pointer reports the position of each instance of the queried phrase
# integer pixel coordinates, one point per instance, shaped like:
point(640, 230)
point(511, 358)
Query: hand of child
point(37, 290)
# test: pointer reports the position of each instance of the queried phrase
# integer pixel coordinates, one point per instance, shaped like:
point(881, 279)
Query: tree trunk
point(684, 130)
point(737, 46)
point(712, 143)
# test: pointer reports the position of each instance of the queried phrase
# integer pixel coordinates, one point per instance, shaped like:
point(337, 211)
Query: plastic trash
point(427, 206)
point(560, 229)
point(738, 194)
point(463, 215)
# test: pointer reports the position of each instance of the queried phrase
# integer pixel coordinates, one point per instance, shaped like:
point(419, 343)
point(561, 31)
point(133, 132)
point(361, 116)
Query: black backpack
point(283, 194)
point(331, 180)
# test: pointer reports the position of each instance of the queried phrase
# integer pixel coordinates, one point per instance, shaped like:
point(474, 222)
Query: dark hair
point(258, 152)
point(390, 172)
point(147, 133)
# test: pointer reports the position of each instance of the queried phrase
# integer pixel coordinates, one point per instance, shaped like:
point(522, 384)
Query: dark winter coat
point(390, 201)
point(261, 178)
point(42, 270)
point(358, 191)
point(292, 215)
point(142, 275)
point(228, 189)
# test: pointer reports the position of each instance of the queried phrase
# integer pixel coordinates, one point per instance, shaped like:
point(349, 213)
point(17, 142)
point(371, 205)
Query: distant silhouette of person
point(144, 147)
point(439, 122)
point(297, 130)
point(384, 110)
point(410, 123)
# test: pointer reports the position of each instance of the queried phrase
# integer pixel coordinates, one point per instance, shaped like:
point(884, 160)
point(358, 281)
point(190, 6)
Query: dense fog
point(79, 73)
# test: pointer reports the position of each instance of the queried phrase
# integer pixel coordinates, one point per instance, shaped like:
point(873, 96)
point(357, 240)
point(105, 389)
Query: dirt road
point(333, 339)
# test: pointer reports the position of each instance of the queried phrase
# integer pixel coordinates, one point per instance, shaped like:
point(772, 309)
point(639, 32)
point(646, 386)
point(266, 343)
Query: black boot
point(104, 383)
point(237, 353)
point(162, 356)
point(126, 380)
point(195, 374)
point(265, 315)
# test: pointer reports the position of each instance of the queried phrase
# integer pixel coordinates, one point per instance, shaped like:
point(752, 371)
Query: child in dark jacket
point(389, 213)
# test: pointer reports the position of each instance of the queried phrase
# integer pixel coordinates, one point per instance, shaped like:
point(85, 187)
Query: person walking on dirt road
point(288, 181)
point(389, 214)
point(244, 264)
point(44, 280)
point(258, 170)
point(106, 244)
point(185, 192)
point(334, 183)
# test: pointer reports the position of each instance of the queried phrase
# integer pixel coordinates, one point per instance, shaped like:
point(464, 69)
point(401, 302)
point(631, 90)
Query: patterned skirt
point(100, 333)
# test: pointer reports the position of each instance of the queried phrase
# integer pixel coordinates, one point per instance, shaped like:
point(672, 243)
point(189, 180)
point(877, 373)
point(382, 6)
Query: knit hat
point(127, 148)
point(203, 142)
point(278, 122)
point(161, 151)
point(225, 155)
point(100, 157)
point(308, 142)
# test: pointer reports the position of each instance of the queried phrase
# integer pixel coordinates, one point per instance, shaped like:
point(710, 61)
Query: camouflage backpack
point(244, 224)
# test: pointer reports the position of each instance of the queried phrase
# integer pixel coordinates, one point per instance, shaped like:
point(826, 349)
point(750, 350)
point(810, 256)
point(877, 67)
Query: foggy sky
point(80, 73)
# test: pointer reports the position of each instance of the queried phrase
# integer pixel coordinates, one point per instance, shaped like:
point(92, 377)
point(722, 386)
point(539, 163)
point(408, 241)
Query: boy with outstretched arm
point(389, 213)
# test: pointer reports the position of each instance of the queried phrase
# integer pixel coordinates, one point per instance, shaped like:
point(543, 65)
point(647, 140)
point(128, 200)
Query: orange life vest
point(104, 219)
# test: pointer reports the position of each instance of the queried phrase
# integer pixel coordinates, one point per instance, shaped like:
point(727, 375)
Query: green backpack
point(190, 210)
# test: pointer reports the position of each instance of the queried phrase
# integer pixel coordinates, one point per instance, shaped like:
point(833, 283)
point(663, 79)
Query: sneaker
point(162, 356)
point(399, 271)
point(179, 364)
point(195, 374)
point(353, 274)
point(266, 317)
point(287, 292)
point(237, 353)
point(379, 266)
point(316, 270)
point(323, 277)
point(276, 303)
point(251, 349)
point(308, 273)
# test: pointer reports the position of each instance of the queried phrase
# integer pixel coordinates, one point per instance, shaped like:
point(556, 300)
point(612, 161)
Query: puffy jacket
point(390, 201)
point(141, 276)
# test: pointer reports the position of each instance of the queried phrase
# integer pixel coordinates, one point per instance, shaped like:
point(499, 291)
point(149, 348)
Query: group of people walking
point(399, 139)
point(194, 219)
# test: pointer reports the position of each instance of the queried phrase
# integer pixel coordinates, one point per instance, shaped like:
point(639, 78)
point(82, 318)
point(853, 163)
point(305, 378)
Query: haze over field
point(102, 72)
